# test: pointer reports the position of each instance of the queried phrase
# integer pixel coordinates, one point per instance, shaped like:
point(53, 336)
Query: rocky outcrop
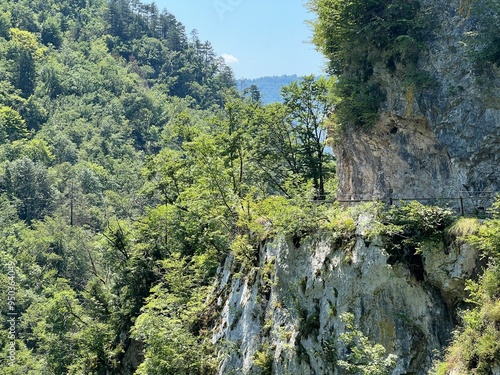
point(282, 317)
point(393, 160)
point(442, 141)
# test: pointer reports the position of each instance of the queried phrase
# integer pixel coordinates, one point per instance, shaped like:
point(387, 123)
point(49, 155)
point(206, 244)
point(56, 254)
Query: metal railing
point(463, 202)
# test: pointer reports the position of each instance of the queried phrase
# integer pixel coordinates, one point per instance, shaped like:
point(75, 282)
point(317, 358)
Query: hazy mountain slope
point(269, 87)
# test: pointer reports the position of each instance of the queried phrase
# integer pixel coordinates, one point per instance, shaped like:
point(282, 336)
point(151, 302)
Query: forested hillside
point(269, 88)
point(129, 167)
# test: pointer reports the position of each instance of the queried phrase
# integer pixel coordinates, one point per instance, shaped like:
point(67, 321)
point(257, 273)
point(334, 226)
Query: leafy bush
point(487, 238)
point(476, 345)
point(294, 218)
point(342, 225)
point(263, 359)
point(411, 224)
point(422, 219)
point(363, 358)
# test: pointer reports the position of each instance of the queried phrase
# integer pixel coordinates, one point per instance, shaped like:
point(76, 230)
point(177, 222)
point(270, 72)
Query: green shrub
point(263, 359)
point(413, 223)
point(363, 357)
point(343, 227)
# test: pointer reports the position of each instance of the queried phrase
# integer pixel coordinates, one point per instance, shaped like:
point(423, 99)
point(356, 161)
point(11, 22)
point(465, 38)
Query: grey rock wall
point(287, 309)
point(437, 142)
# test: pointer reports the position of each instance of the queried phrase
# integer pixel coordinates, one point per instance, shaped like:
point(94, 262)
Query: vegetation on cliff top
point(368, 41)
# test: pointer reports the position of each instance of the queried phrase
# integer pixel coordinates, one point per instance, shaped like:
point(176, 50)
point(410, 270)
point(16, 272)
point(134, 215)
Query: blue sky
point(256, 37)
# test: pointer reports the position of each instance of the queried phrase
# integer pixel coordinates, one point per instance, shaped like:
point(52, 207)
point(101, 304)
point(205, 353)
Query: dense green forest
point(130, 166)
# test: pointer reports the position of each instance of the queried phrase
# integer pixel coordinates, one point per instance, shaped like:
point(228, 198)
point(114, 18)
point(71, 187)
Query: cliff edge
point(283, 316)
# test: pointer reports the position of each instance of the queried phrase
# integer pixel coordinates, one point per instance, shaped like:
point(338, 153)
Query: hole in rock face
point(409, 257)
point(394, 130)
point(416, 266)
point(473, 363)
point(391, 65)
point(296, 240)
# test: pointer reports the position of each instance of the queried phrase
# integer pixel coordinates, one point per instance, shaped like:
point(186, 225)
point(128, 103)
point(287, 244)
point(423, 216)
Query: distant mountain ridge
point(269, 86)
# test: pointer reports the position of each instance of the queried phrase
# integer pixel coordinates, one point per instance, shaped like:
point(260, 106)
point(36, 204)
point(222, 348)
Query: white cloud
point(230, 59)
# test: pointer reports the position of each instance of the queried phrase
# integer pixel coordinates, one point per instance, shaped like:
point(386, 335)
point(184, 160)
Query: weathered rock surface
point(438, 142)
point(284, 314)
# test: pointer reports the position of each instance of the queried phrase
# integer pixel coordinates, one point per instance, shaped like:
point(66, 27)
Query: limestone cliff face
point(282, 317)
point(434, 142)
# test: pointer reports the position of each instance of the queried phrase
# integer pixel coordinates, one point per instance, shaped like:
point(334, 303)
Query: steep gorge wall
point(282, 316)
point(434, 142)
